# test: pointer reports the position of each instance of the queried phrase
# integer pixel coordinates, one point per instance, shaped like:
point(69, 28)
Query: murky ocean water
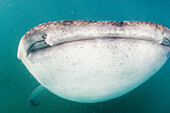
point(16, 83)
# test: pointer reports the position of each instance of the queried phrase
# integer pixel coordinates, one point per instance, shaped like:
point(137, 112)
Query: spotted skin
point(57, 24)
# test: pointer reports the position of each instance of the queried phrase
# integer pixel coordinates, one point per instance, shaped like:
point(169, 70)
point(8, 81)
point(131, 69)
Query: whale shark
point(93, 61)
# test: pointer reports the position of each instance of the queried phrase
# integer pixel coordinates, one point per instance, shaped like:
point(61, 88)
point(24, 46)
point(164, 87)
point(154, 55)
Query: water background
point(16, 83)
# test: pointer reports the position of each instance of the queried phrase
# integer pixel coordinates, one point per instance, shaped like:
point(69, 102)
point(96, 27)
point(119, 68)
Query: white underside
point(96, 70)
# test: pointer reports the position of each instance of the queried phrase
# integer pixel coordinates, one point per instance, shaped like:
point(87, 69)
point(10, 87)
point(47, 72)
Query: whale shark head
point(93, 61)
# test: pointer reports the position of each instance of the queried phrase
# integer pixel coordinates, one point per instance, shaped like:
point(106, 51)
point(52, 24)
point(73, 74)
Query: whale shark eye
point(166, 42)
point(44, 35)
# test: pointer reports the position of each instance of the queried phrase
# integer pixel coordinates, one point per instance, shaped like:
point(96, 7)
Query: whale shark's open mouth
point(61, 32)
point(42, 44)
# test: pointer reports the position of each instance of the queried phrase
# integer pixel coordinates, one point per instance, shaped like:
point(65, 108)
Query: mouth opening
point(41, 44)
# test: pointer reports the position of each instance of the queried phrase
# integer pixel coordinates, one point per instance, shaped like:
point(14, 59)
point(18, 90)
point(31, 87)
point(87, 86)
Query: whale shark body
point(93, 61)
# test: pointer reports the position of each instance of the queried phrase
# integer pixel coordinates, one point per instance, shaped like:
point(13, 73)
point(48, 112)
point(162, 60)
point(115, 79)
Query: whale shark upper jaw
point(59, 32)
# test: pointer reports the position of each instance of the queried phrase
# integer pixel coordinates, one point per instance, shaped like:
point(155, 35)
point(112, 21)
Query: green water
point(16, 83)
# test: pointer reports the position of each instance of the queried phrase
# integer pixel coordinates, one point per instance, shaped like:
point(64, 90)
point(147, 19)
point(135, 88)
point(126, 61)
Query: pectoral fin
point(37, 94)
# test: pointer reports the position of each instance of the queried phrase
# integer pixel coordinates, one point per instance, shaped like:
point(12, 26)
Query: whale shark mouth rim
point(32, 48)
point(60, 32)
